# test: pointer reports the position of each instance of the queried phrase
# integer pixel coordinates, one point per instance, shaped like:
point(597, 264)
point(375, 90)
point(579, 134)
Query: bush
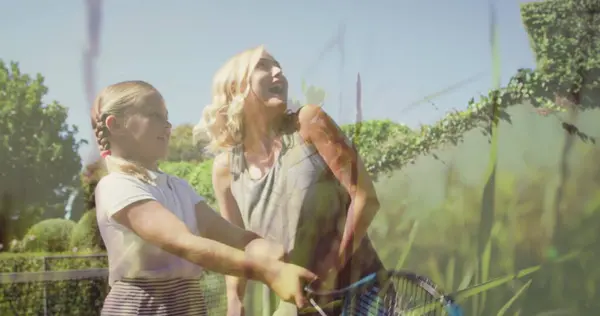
point(51, 235)
point(72, 297)
point(16, 246)
point(75, 297)
point(86, 234)
point(199, 175)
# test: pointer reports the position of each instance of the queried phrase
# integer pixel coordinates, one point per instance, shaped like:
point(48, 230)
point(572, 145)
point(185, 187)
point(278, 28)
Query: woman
point(291, 177)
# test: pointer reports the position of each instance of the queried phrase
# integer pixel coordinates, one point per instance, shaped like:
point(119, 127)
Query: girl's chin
point(162, 155)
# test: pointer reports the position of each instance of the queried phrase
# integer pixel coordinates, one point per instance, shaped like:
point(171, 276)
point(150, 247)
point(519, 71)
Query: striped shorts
point(162, 297)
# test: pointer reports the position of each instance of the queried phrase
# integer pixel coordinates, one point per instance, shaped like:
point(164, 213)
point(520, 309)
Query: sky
point(403, 50)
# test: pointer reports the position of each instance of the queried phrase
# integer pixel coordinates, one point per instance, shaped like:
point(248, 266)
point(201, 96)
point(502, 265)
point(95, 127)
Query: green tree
point(38, 153)
point(564, 39)
point(182, 147)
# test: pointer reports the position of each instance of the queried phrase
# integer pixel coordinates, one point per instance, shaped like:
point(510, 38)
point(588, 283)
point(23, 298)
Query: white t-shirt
point(129, 256)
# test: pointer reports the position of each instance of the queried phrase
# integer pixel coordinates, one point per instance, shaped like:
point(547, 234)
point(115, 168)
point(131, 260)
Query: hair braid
point(101, 132)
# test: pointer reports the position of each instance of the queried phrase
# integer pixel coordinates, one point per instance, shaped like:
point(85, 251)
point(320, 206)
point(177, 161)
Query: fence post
point(45, 289)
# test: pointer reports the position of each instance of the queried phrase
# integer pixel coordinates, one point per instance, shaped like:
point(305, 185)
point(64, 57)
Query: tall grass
point(453, 247)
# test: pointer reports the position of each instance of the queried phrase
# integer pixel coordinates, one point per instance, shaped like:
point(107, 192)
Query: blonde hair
point(221, 124)
point(115, 100)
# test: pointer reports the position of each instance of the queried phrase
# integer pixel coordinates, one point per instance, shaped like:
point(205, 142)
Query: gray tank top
point(298, 203)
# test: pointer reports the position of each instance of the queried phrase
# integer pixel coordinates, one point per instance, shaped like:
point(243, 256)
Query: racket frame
point(338, 295)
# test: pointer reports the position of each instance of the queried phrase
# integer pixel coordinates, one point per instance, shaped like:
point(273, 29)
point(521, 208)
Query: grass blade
point(514, 298)
point(469, 273)
point(450, 268)
point(411, 239)
point(486, 258)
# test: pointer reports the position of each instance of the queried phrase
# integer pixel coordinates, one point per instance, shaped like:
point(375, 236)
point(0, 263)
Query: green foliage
point(197, 174)
point(38, 152)
point(402, 149)
point(76, 296)
point(73, 297)
point(446, 243)
point(369, 136)
point(86, 234)
point(51, 235)
point(182, 147)
point(564, 38)
point(86, 197)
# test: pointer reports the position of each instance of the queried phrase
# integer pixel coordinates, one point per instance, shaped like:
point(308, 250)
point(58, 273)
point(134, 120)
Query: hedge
point(75, 297)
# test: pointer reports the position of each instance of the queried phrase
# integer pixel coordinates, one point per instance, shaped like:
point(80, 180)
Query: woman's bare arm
point(317, 128)
point(228, 208)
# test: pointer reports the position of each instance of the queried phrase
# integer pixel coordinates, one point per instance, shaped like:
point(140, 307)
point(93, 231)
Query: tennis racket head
point(391, 293)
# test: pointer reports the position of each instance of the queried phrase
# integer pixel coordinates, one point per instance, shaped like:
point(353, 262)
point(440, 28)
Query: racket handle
point(454, 310)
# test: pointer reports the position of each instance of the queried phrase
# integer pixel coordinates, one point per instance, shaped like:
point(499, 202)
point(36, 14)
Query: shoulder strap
point(235, 162)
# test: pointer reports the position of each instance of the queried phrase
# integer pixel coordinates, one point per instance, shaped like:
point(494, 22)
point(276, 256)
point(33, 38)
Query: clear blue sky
point(404, 50)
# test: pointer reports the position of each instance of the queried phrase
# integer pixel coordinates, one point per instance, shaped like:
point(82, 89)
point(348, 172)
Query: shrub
point(86, 235)
point(75, 296)
point(72, 297)
point(51, 235)
point(16, 246)
point(199, 175)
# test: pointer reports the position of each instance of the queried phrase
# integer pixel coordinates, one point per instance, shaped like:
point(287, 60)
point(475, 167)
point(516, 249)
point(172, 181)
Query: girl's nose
point(168, 127)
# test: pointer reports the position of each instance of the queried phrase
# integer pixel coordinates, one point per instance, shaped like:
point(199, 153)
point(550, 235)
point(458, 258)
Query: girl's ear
point(113, 125)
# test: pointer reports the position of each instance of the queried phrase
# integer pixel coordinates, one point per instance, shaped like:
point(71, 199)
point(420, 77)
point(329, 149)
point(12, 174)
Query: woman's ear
point(113, 125)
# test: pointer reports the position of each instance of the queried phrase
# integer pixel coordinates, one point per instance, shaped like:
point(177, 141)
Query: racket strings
point(396, 297)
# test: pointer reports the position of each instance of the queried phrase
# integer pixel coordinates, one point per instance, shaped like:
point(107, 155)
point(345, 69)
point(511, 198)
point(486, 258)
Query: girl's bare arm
point(154, 223)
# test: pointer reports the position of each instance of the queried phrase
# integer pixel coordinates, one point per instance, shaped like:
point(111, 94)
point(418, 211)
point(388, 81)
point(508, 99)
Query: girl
point(291, 177)
point(158, 232)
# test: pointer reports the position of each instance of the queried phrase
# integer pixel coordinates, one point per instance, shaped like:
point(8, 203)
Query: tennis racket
point(388, 293)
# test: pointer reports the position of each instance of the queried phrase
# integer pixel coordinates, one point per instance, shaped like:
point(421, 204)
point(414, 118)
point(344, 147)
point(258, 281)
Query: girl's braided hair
point(115, 100)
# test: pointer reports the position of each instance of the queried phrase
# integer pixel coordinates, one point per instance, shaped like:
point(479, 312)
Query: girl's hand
point(288, 280)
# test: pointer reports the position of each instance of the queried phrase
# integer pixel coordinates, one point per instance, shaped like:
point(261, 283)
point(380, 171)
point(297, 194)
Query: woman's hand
point(327, 267)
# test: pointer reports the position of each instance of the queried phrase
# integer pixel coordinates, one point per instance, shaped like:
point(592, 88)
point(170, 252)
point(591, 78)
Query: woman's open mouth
point(276, 89)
